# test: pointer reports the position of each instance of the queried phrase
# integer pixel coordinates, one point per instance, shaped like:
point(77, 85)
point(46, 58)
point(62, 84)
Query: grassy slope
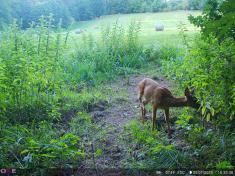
point(148, 35)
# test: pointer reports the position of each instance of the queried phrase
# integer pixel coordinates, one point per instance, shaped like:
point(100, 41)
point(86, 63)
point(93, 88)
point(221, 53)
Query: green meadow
point(147, 35)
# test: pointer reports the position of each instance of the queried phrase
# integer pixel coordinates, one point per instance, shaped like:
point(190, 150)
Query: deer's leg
point(143, 111)
point(154, 116)
point(168, 121)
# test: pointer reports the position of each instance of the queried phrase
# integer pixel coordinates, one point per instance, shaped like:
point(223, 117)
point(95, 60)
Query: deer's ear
point(187, 92)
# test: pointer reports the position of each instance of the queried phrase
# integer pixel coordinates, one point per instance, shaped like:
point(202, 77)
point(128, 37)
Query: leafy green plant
point(31, 74)
point(183, 119)
point(224, 165)
point(207, 65)
point(149, 149)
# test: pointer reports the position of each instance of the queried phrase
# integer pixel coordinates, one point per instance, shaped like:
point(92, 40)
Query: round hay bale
point(79, 31)
point(159, 27)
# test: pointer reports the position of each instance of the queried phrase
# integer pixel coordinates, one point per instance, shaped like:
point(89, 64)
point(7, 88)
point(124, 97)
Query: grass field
point(148, 35)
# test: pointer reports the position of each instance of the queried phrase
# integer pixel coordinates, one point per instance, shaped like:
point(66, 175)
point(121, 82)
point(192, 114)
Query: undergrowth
point(150, 150)
point(47, 89)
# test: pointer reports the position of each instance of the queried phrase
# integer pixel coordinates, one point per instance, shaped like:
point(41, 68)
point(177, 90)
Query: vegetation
point(40, 86)
point(51, 82)
point(208, 67)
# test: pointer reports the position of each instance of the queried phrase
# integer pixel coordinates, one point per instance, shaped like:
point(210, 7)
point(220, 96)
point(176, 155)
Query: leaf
point(79, 153)
point(98, 152)
point(24, 151)
point(208, 116)
point(150, 140)
point(47, 155)
point(203, 110)
point(157, 148)
point(212, 111)
point(169, 147)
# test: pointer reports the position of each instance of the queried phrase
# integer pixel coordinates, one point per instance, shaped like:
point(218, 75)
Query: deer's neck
point(178, 102)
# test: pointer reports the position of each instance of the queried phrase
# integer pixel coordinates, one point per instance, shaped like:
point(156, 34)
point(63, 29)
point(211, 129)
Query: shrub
point(31, 80)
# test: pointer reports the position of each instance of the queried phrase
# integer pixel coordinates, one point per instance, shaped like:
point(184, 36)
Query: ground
point(122, 107)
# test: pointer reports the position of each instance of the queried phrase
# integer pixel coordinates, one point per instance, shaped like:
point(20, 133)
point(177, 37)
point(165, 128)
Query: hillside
point(147, 21)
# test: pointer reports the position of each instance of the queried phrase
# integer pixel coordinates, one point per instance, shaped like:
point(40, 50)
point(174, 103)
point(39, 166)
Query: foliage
point(184, 119)
point(207, 67)
point(31, 76)
point(216, 19)
point(148, 149)
point(30, 147)
point(210, 148)
point(224, 165)
point(41, 86)
point(215, 97)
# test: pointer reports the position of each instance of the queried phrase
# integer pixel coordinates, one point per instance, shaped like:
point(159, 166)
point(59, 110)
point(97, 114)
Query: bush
point(31, 79)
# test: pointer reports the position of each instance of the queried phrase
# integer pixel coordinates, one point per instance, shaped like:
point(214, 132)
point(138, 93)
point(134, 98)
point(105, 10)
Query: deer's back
point(153, 91)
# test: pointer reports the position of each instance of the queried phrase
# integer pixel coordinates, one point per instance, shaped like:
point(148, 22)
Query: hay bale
point(79, 31)
point(159, 27)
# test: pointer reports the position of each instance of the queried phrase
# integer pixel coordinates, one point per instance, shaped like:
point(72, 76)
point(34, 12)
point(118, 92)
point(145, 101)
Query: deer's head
point(191, 99)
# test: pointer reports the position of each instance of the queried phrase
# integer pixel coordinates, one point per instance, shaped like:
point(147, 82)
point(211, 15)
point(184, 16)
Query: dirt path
point(122, 108)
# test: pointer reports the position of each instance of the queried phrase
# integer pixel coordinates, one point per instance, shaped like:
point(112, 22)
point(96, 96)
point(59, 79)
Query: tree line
point(27, 11)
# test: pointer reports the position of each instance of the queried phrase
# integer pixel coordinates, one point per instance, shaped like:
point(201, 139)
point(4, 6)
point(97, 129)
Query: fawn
point(149, 91)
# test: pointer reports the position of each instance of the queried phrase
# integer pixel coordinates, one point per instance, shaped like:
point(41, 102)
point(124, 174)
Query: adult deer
point(149, 91)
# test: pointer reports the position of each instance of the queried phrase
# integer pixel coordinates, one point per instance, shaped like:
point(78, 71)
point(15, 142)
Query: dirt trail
point(121, 110)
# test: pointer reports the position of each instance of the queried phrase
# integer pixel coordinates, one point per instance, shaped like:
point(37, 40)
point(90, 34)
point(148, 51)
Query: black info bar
point(110, 172)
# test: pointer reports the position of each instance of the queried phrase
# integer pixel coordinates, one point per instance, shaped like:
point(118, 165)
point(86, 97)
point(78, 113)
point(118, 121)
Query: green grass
point(148, 35)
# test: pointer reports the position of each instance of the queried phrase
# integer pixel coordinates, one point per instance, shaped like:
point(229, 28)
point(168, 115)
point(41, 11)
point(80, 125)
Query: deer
point(150, 91)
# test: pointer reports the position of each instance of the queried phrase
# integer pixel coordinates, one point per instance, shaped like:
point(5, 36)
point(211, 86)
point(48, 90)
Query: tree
point(158, 5)
point(217, 19)
point(97, 7)
point(5, 13)
point(196, 4)
point(217, 27)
